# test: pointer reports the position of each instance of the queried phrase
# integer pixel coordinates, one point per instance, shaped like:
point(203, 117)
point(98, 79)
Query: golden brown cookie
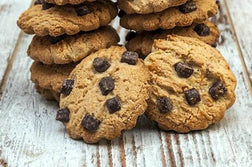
point(68, 19)
point(66, 49)
point(142, 43)
point(147, 6)
point(64, 2)
point(184, 15)
point(48, 78)
point(47, 94)
point(192, 84)
point(104, 95)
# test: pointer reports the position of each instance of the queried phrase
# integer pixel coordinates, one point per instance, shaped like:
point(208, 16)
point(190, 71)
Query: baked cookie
point(147, 6)
point(184, 15)
point(192, 84)
point(47, 94)
point(48, 78)
point(64, 2)
point(55, 20)
point(142, 42)
point(66, 49)
point(104, 95)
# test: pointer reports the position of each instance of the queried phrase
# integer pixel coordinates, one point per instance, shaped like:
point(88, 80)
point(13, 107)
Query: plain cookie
point(195, 11)
point(48, 94)
point(48, 78)
point(142, 42)
point(66, 49)
point(192, 84)
point(147, 6)
point(69, 19)
point(104, 95)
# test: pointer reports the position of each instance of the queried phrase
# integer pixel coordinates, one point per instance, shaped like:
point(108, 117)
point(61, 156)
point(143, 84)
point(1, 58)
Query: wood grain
point(240, 15)
point(9, 32)
point(30, 136)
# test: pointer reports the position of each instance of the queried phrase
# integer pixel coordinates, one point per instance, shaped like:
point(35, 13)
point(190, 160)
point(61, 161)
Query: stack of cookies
point(151, 20)
point(183, 84)
point(66, 31)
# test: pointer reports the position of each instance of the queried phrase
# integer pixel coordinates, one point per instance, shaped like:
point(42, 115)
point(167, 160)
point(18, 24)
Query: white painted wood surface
point(30, 136)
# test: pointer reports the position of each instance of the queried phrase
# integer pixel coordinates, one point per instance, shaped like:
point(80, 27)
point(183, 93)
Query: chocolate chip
point(57, 39)
point(106, 85)
point(113, 104)
point(121, 13)
point(192, 96)
point(82, 10)
point(218, 4)
point(164, 104)
point(90, 123)
point(202, 29)
point(67, 87)
point(101, 64)
point(188, 7)
point(130, 57)
point(214, 45)
point(130, 35)
point(183, 70)
point(63, 115)
point(46, 6)
point(217, 90)
point(38, 2)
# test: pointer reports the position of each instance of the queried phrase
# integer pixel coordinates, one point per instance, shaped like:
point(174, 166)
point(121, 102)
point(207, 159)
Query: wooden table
point(30, 136)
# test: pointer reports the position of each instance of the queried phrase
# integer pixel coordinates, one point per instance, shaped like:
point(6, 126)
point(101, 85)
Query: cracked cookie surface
point(67, 49)
point(67, 19)
point(147, 6)
point(48, 78)
point(64, 2)
point(192, 84)
point(108, 92)
point(171, 17)
point(142, 42)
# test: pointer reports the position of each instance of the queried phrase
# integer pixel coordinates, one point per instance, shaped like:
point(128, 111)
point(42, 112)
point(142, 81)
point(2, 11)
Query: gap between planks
point(234, 34)
point(11, 60)
point(10, 63)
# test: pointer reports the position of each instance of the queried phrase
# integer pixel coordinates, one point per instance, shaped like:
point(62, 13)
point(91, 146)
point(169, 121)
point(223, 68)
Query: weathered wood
point(30, 136)
point(9, 32)
point(240, 15)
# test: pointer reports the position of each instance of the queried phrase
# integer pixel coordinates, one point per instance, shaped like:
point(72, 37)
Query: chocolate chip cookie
point(142, 42)
point(192, 11)
point(192, 84)
point(48, 78)
point(68, 19)
point(64, 2)
point(50, 95)
point(147, 6)
point(104, 95)
point(66, 49)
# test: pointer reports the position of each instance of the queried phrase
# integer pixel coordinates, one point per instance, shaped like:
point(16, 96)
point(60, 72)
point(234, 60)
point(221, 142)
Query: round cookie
point(64, 2)
point(55, 20)
point(104, 95)
point(142, 42)
point(184, 15)
point(66, 49)
point(48, 78)
point(192, 84)
point(47, 94)
point(147, 6)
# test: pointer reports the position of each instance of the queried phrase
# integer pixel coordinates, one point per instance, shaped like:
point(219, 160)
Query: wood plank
point(9, 32)
point(240, 17)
